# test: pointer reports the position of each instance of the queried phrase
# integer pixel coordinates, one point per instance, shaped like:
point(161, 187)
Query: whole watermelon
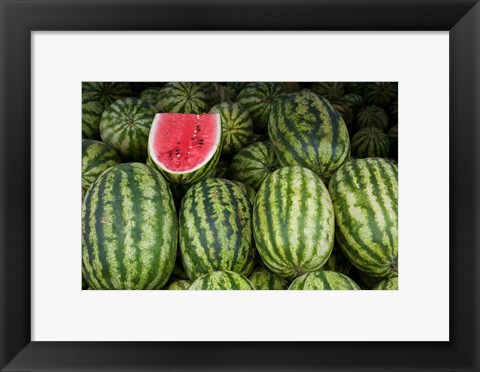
point(324, 280)
point(370, 142)
point(371, 116)
point(105, 92)
point(125, 126)
point(237, 126)
point(216, 229)
point(330, 90)
point(258, 99)
point(91, 115)
point(293, 222)
point(129, 229)
point(252, 164)
point(306, 130)
point(364, 193)
point(187, 98)
point(221, 280)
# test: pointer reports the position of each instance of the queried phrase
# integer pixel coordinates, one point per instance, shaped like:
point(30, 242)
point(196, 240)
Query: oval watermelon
point(293, 222)
point(129, 229)
point(306, 130)
point(216, 229)
point(364, 193)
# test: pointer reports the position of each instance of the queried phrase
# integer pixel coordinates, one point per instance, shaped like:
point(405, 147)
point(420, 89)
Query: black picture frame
point(18, 18)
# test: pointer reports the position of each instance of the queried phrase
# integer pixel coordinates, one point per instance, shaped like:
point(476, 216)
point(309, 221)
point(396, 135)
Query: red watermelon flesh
point(181, 143)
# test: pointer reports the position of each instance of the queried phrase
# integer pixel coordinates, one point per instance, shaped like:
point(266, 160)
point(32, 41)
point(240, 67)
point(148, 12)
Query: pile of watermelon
point(238, 185)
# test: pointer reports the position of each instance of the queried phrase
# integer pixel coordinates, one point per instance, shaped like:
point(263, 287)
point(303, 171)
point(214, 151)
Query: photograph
point(240, 185)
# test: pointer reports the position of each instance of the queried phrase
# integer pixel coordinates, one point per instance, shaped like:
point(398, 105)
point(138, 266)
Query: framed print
point(56, 56)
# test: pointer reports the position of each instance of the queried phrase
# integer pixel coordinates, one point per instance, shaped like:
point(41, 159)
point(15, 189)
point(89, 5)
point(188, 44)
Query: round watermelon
point(306, 130)
point(150, 95)
point(370, 142)
point(129, 229)
point(380, 93)
point(125, 125)
point(216, 229)
point(252, 164)
point(258, 99)
point(364, 193)
point(188, 98)
point(293, 222)
point(237, 126)
point(105, 92)
point(323, 280)
point(185, 148)
point(221, 280)
point(372, 116)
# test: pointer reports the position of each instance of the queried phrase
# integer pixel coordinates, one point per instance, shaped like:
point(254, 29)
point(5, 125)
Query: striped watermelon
point(215, 93)
point(258, 99)
point(185, 148)
point(380, 93)
point(393, 139)
point(293, 222)
point(150, 95)
point(129, 229)
point(372, 116)
point(354, 101)
point(337, 262)
point(387, 285)
point(323, 280)
point(365, 198)
point(355, 87)
point(221, 280)
point(330, 90)
point(96, 158)
point(125, 125)
point(252, 164)
point(105, 92)
point(370, 142)
point(216, 229)
point(237, 126)
point(179, 285)
point(306, 130)
point(186, 98)
point(264, 279)
point(234, 87)
point(91, 115)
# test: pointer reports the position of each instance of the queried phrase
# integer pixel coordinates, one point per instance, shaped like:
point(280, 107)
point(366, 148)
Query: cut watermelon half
point(184, 146)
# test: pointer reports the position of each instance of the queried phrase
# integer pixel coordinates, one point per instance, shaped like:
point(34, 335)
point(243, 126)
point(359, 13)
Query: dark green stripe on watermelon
point(105, 92)
point(187, 98)
point(369, 143)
